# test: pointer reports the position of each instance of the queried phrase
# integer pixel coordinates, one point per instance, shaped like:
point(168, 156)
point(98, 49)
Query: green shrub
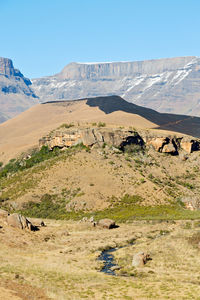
point(101, 124)
point(133, 148)
point(51, 207)
point(65, 125)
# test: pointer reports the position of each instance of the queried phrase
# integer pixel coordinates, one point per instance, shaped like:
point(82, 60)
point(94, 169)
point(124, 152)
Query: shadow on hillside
point(181, 123)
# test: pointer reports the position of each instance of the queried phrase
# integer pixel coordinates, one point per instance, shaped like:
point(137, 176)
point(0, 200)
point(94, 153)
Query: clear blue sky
point(42, 36)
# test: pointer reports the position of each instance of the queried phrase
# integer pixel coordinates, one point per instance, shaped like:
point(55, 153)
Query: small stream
point(107, 257)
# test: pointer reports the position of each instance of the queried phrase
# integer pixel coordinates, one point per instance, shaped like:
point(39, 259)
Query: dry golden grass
point(60, 260)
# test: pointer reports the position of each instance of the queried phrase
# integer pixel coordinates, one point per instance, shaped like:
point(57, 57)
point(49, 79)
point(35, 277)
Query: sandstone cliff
point(120, 138)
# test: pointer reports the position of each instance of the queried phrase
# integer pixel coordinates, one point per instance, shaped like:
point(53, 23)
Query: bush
point(133, 148)
point(101, 124)
point(65, 125)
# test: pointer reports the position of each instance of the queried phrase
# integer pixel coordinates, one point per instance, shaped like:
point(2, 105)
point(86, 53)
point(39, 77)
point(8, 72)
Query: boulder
point(169, 148)
point(3, 213)
point(140, 259)
point(107, 223)
point(158, 143)
point(88, 137)
point(191, 202)
point(186, 145)
point(91, 219)
point(19, 221)
point(183, 156)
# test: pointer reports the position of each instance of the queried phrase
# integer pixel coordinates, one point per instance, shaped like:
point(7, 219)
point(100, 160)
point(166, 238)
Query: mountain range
point(170, 85)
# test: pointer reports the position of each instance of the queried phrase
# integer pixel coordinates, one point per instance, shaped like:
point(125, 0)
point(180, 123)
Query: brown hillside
point(24, 131)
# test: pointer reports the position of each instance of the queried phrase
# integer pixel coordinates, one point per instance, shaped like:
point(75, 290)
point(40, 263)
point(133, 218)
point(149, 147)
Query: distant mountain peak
point(16, 94)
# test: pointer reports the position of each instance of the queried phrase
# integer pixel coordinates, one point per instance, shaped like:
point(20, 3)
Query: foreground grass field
point(60, 261)
point(142, 190)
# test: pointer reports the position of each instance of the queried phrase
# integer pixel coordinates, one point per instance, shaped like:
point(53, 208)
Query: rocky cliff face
point(167, 85)
point(120, 139)
point(16, 94)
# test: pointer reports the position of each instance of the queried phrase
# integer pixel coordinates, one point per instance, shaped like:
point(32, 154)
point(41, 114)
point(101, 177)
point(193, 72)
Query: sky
point(42, 36)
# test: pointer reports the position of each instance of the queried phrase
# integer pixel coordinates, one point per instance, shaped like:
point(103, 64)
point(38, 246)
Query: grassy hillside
point(141, 189)
point(105, 182)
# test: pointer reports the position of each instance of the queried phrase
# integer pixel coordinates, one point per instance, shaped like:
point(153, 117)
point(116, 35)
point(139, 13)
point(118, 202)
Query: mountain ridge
point(167, 85)
point(16, 94)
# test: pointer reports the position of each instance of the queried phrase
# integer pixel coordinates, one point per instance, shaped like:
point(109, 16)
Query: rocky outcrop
point(18, 221)
point(189, 145)
point(90, 137)
point(119, 138)
point(173, 144)
point(169, 148)
point(158, 143)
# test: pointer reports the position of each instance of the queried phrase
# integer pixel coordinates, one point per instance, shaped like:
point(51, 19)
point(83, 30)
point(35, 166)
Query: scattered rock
point(115, 268)
point(21, 222)
point(42, 224)
point(107, 223)
point(91, 220)
point(192, 202)
point(17, 276)
point(140, 259)
point(183, 156)
point(3, 213)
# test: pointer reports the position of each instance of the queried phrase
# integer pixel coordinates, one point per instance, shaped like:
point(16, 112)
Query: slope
point(24, 131)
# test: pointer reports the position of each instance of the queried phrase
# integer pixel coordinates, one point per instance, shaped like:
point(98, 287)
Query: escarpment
point(120, 138)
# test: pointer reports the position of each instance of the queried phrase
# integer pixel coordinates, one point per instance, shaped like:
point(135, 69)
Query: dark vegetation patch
point(65, 125)
point(127, 208)
point(51, 207)
point(36, 157)
point(21, 164)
